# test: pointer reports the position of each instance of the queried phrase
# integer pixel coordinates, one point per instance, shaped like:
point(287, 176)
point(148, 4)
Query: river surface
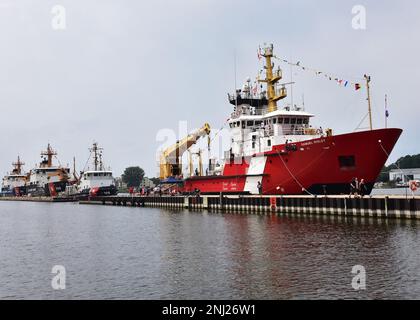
point(143, 253)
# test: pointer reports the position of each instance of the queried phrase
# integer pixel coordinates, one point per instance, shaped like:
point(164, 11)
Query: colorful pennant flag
point(340, 82)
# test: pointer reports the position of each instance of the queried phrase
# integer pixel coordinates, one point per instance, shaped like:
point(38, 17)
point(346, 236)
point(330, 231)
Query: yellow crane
point(170, 159)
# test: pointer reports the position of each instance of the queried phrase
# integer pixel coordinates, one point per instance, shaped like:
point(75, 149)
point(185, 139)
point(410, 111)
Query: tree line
point(407, 162)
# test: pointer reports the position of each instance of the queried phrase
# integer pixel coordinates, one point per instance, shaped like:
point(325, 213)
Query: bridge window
point(286, 120)
point(250, 123)
point(299, 121)
point(293, 121)
point(306, 121)
point(275, 120)
point(280, 120)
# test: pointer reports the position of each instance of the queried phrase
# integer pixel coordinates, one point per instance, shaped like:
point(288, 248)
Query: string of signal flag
point(340, 81)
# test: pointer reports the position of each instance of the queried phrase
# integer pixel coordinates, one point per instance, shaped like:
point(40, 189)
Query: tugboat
point(277, 152)
point(14, 184)
point(47, 180)
point(97, 182)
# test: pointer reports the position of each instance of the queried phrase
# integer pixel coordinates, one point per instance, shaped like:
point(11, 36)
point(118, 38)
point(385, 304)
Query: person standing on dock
point(362, 188)
point(259, 186)
point(357, 187)
point(353, 187)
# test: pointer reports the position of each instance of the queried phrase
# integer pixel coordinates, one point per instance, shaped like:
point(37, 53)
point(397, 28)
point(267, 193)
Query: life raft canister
point(94, 192)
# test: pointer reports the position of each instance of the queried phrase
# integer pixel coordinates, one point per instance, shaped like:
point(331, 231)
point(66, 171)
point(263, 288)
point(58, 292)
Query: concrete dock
point(372, 207)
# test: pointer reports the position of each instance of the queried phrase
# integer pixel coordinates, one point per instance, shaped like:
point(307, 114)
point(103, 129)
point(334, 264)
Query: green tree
point(133, 176)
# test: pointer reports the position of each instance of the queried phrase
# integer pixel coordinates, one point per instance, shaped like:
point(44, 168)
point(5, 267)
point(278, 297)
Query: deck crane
point(170, 159)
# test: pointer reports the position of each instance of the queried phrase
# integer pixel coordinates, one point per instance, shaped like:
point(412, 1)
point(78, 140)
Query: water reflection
point(140, 253)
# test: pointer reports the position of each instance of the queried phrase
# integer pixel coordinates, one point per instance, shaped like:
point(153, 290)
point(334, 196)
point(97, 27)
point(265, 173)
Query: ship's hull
point(51, 189)
point(14, 192)
point(321, 166)
point(100, 191)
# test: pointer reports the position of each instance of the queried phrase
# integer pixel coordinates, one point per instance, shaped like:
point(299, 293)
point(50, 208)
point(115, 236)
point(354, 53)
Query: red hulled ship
point(278, 152)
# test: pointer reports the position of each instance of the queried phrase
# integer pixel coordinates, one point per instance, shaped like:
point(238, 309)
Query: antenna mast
point(291, 86)
point(49, 154)
point(236, 92)
point(97, 157)
point(18, 166)
point(386, 111)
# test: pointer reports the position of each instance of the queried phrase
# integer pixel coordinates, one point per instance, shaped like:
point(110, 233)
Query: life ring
point(414, 185)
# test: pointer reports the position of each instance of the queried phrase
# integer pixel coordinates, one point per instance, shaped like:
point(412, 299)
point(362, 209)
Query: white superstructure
point(99, 178)
point(96, 179)
point(46, 172)
point(252, 133)
point(15, 179)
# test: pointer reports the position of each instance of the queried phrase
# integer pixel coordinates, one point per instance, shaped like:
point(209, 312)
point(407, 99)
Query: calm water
point(138, 253)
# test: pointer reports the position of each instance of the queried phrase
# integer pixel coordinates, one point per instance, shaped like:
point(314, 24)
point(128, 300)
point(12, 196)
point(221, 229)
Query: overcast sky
point(123, 69)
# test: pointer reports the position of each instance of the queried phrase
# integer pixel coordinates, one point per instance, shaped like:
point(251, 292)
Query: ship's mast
point(272, 78)
point(101, 164)
point(18, 166)
point(49, 154)
point(386, 111)
point(97, 157)
point(368, 79)
point(74, 170)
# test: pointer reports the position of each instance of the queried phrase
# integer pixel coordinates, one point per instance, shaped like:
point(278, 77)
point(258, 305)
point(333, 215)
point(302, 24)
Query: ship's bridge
point(289, 122)
point(286, 122)
point(257, 133)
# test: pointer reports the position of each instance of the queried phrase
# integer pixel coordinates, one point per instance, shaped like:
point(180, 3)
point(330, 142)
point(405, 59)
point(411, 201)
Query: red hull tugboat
point(277, 152)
